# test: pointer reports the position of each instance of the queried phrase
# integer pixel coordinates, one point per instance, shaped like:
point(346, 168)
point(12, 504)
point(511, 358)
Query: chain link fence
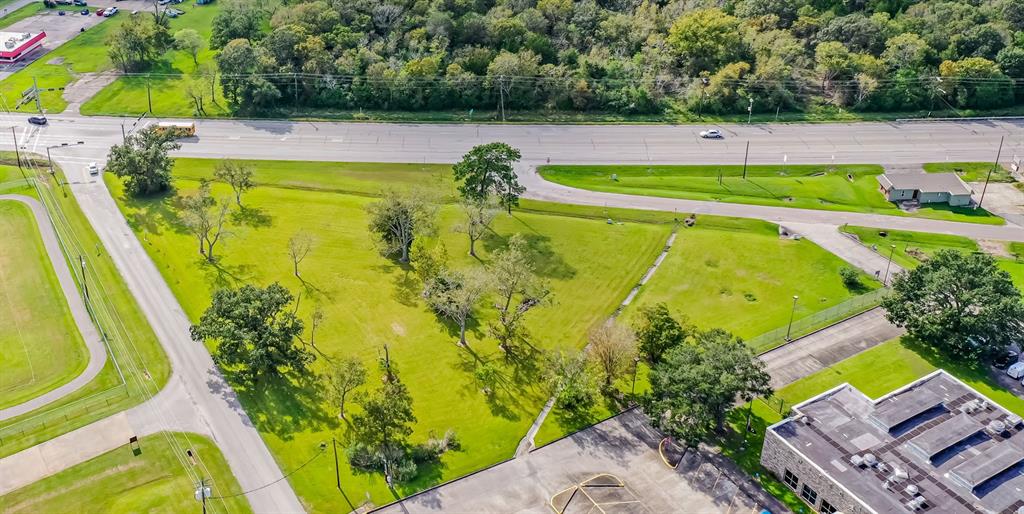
point(817, 321)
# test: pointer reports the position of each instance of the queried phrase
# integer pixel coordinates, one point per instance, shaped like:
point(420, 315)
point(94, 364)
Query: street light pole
point(892, 250)
point(750, 110)
point(636, 364)
point(337, 473)
point(789, 331)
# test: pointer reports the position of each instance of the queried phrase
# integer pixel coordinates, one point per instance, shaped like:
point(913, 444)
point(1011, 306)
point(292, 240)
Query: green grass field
point(128, 94)
point(132, 342)
point(913, 247)
point(40, 346)
point(970, 171)
point(370, 301)
point(155, 481)
point(800, 186)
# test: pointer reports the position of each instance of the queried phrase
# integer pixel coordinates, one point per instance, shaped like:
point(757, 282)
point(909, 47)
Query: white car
point(110, 12)
point(94, 169)
point(711, 134)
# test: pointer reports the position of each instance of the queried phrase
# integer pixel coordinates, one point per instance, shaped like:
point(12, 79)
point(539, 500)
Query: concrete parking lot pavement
point(625, 447)
point(59, 30)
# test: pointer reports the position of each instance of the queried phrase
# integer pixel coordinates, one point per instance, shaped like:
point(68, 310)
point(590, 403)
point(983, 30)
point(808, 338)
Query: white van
point(1016, 370)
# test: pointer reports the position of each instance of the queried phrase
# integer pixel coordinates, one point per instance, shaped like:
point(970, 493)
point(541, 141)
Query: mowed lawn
point(40, 346)
point(370, 301)
point(913, 248)
point(971, 171)
point(174, 73)
point(851, 187)
point(742, 276)
point(155, 481)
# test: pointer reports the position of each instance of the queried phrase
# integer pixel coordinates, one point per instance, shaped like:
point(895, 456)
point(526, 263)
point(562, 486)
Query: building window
point(809, 494)
point(826, 507)
point(790, 479)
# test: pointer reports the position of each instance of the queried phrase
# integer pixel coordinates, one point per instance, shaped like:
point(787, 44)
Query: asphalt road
point(79, 313)
point(215, 404)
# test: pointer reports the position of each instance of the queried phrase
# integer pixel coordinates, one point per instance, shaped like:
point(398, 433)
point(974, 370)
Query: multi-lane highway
point(199, 386)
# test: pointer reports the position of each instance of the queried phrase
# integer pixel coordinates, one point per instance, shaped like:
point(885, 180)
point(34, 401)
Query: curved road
point(97, 351)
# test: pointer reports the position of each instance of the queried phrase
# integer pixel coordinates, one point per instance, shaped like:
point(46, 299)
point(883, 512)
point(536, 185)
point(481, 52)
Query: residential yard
point(370, 301)
point(875, 372)
point(836, 188)
point(158, 480)
point(132, 342)
point(40, 346)
point(971, 171)
point(912, 248)
point(173, 75)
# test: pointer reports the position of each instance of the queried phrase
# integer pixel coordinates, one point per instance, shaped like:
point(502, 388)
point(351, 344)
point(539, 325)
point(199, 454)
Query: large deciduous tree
point(237, 19)
point(142, 161)
point(657, 332)
point(454, 295)
point(570, 380)
point(237, 175)
point(397, 219)
point(517, 291)
point(380, 433)
point(137, 45)
point(479, 214)
point(488, 169)
point(255, 330)
point(961, 304)
point(204, 217)
point(611, 347)
point(190, 42)
point(705, 39)
point(344, 376)
point(696, 384)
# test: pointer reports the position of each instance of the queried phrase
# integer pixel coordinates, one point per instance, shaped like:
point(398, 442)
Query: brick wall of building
point(777, 457)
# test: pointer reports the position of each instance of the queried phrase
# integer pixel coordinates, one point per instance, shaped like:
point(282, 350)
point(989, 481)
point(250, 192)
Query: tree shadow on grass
point(224, 276)
point(251, 217)
point(407, 286)
point(153, 214)
point(547, 262)
point(962, 369)
point(502, 395)
point(287, 405)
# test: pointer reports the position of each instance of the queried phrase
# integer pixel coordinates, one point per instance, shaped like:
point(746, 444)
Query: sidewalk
point(830, 238)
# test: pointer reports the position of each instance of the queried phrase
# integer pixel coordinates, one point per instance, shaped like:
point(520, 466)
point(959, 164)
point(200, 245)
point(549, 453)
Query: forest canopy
point(622, 56)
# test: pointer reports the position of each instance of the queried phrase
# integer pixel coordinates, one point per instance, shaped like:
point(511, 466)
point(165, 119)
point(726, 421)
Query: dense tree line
point(627, 56)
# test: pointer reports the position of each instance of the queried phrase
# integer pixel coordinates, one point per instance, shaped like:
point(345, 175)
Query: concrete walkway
point(812, 353)
point(97, 351)
point(846, 248)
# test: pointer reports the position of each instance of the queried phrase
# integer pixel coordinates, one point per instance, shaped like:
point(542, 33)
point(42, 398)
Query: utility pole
point(750, 110)
point(35, 89)
point(17, 152)
point(789, 331)
point(745, 154)
point(337, 473)
point(892, 250)
point(993, 168)
point(202, 493)
point(149, 95)
point(501, 95)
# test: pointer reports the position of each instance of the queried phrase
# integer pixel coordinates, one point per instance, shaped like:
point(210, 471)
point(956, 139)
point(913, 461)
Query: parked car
point(80, 3)
point(37, 120)
point(99, 12)
point(63, 2)
point(61, 13)
point(1016, 370)
point(94, 169)
point(175, 12)
point(1005, 360)
point(164, 2)
point(711, 134)
point(85, 12)
point(110, 12)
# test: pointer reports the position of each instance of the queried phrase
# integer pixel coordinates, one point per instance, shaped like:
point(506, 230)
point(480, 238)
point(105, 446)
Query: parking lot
point(59, 30)
point(612, 467)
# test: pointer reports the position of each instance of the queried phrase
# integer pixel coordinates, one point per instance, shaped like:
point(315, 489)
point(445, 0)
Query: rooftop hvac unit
point(857, 460)
point(870, 460)
point(996, 427)
point(9, 44)
point(23, 36)
point(916, 503)
point(1012, 421)
point(804, 419)
point(970, 406)
point(898, 475)
point(912, 490)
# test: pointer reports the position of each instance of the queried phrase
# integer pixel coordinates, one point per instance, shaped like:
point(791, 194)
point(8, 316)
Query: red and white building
point(15, 45)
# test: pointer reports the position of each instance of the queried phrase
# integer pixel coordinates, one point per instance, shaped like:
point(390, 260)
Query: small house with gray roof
point(925, 188)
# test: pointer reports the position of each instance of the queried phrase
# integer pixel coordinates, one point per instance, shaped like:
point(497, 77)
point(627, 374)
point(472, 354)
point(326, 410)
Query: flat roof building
point(925, 188)
point(935, 446)
point(15, 45)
